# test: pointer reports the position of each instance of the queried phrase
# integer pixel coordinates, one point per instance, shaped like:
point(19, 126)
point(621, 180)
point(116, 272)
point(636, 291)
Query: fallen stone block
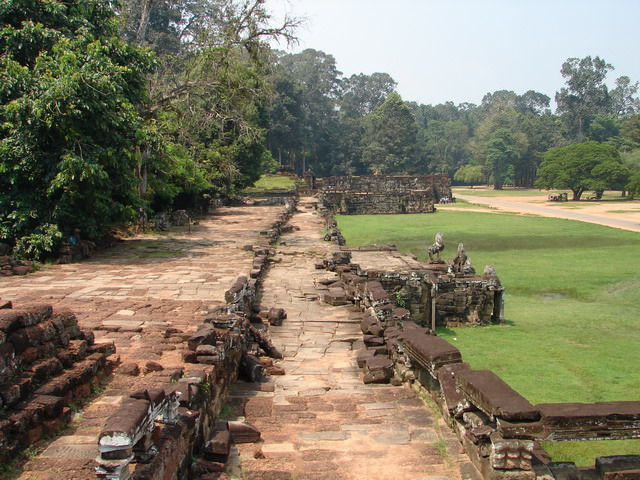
point(378, 369)
point(490, 394)
point(219, 447)
point(132, 369)
point(429, 351)
point(276, 316)
point(335, 297)
point(206, 334)
point(242, 432)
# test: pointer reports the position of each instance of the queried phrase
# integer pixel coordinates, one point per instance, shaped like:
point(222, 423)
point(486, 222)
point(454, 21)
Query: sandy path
point(624, 215)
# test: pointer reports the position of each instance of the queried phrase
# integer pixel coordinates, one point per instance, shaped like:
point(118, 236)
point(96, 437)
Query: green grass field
point(273, 183)
point(572, 294)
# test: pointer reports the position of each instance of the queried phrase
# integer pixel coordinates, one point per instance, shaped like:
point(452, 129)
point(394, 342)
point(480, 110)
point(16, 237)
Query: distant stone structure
point(383, 194)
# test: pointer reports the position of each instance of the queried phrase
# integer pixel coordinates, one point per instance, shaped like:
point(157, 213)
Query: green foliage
point(470, 175)
point(582, 166)
point(38, 245)
point(501, 156)
point(68, 120)
point(633, 186)
point(390, 138)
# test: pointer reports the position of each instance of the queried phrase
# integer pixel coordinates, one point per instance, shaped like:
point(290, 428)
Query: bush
point(38, 245)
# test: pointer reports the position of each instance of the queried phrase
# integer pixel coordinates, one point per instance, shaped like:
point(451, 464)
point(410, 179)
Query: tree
point(210, 93)
point(317, 86)
point(586, 94)
point(609, 174)
point(501, 156)
point(580, 167)
point(68, 118)
point(624, 100)
point(633, 185)
point(470, 175)
point(389, 144)
point(362, 94)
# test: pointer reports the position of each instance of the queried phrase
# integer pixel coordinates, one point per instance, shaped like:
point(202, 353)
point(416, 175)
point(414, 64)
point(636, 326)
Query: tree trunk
point(577, 193)
point(144, 21)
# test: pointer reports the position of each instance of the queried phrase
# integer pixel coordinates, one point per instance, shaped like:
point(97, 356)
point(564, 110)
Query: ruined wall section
point(383, 194)
point(500, 430)
point(458, 299)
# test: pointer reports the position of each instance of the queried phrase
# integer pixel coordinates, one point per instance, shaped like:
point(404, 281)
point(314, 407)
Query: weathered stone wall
point(46, 363)
point(383, 194)
point(500, 430)
point(157, 432)
point(456, 299)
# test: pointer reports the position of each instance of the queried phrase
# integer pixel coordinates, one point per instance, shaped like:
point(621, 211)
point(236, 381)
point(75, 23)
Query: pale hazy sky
point(459, 50)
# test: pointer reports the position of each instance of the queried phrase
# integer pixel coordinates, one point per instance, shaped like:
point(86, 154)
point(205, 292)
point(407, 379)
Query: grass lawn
point(273, 183)
point(571, 304)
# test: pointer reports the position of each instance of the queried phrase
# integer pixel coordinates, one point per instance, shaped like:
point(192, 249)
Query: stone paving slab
point(322, 421)
point(130, 294)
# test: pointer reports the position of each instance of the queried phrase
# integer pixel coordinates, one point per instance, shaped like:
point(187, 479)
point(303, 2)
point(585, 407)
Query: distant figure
point(85, 247)
point(436, 249)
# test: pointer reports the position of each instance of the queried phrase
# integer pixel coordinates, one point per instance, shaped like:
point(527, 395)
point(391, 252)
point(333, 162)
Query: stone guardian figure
point(436, 249)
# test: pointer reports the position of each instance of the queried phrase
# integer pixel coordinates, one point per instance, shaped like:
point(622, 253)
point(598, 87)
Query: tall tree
point(362, 94)
point(210, 92)
point(624, 99)
point(317, 79)
point(68, 118)
point(501, 156)
point(389, 145)
point(586, 93)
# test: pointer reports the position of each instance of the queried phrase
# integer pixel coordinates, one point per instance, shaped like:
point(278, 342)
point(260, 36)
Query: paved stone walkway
point(131, 295)
point(320, 421)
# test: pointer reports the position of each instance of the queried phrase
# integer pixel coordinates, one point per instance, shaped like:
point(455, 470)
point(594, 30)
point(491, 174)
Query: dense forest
point(113, 110)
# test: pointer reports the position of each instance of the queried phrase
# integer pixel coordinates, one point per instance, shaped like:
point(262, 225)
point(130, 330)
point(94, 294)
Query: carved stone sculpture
point(436, 249)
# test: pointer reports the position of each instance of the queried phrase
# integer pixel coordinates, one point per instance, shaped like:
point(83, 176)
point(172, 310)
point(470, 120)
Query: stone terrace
point(131, 294)
point(317, 421)
point(320, 421)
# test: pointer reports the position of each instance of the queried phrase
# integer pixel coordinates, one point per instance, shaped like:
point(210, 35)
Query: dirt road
point(625, 216)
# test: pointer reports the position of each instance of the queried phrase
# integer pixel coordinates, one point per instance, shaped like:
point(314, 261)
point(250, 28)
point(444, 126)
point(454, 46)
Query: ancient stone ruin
point(501, 431)
point(46, 364)
point(383, 194)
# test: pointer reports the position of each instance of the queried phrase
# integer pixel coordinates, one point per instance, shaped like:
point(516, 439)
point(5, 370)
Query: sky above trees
point(459, 50)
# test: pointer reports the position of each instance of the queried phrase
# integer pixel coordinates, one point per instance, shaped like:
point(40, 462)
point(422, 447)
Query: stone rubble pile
point(46, 363)
point(11, 266)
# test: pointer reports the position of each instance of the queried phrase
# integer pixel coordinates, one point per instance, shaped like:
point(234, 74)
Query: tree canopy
point(111, 111)
point(68, 118)
point(582, 166)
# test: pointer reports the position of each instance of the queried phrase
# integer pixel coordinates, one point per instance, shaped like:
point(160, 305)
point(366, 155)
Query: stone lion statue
point(436, 249)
